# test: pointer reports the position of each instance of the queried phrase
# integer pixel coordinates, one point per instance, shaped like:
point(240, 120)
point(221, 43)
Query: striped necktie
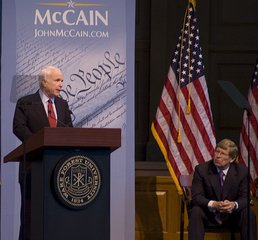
point(221, 177)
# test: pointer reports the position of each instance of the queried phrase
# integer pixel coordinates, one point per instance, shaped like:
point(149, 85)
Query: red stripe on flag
point(249, 144)
point(173, 132)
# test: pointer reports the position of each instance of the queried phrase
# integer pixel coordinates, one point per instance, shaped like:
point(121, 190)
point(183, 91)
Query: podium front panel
point(51, 218)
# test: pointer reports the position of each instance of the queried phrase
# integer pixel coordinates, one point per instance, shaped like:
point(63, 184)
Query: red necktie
point(51, 114)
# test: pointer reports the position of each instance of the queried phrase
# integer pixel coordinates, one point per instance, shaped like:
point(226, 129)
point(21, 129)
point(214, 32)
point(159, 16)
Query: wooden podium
point(70, 181)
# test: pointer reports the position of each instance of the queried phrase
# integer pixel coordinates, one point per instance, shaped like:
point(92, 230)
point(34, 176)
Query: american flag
point(183, 126)
point(253, 131)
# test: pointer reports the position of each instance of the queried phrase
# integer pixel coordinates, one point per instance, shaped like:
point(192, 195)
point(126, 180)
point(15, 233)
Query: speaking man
point(33, 112)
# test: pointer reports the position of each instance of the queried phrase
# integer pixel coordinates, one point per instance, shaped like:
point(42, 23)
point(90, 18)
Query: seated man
point(219, 194)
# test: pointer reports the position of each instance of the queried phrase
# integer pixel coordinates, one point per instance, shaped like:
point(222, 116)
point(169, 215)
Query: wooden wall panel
point(234, 22)
point(157, 206)
point(236, 67)
point(142, 56)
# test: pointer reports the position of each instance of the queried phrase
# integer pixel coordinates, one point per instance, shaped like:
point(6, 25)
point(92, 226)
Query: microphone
point(71, 113)
point(68, 125)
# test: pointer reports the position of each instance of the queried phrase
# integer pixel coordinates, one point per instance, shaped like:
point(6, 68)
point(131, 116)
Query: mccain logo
point(71, 16)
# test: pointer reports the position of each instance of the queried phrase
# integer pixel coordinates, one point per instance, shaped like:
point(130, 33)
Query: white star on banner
point(71, 4)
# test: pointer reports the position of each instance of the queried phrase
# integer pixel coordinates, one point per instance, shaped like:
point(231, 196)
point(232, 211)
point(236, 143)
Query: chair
point(186, 184)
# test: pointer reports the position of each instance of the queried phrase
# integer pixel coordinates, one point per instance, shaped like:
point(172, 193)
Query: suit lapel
point(41, 110)
point(214, 180)
point(229, 181)
point(59, 111)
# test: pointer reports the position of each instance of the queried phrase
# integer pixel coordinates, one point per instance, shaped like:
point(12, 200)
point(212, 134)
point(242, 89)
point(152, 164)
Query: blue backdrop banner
point(87, 41)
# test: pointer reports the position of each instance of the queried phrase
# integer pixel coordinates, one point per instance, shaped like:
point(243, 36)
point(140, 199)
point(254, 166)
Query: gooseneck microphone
point(68, 125)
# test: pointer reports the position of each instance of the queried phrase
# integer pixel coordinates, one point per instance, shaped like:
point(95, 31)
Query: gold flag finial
point(193, 2)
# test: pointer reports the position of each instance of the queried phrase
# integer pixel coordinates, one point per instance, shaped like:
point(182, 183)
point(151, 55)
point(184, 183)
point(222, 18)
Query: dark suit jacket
point(206, 185)
point(30, 115)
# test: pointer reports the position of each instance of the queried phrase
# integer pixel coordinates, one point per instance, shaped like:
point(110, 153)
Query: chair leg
point(182, 220)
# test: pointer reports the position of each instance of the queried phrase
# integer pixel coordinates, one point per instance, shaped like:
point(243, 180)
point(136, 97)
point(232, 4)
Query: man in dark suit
point(219, 194)
point(33, 112)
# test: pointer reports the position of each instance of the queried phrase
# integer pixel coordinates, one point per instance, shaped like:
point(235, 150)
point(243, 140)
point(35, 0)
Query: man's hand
point(224, 206)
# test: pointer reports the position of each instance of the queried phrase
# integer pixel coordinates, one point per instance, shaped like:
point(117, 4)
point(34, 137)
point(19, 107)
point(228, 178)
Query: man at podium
point(33, 112)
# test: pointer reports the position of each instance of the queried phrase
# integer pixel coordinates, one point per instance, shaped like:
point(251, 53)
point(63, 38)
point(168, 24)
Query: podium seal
point(77, 181)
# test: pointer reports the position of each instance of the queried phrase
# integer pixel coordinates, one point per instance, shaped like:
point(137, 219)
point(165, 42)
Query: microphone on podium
point(68, 125)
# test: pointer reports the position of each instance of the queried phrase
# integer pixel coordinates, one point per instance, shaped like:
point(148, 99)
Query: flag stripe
point(203, 115)
point(200, 135)
point(249, 144)
point(171, 136)
point(253, 157)
point(184, 125)
point(158, 136)
point(187, 134)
